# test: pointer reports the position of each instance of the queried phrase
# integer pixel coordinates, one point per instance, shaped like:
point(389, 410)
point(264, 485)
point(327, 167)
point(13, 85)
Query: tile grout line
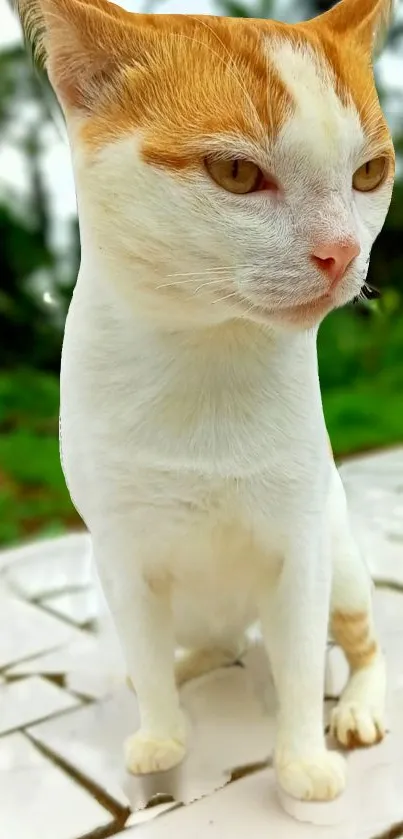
point(26, 659)
point(390, 585)
point(393, 832)
point(247, 769)
point(104, 832)
point(62, 713)
point(119, 813)
point(41, 604)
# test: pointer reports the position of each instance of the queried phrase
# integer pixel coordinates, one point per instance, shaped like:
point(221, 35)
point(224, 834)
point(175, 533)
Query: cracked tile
point(91, 738)
point(394, 662)
point(384, 557)
point(384, 466)
point(79, 607)
point(377, 776)
point(38, 800)
point(388, 608)
point(374, 488)
point(69, 546)
point(91, 664)
point(247, 807)
point(42, 571)
point(25, 631)
point(252, 807)
point(144, 816)
point(28, 700)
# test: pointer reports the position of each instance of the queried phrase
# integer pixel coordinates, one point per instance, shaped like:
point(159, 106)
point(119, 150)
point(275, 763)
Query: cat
point(232, 176)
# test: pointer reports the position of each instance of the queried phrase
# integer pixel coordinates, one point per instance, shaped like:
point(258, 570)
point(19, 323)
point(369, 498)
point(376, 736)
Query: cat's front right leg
point(294, 620)
point(139, 601)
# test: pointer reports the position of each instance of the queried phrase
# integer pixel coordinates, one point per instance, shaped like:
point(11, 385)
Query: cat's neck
point(236, 355)
point(197, 398)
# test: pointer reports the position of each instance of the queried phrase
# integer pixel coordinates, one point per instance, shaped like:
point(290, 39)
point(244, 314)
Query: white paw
point(144, 755)
point(320, 776)
point(354, 724)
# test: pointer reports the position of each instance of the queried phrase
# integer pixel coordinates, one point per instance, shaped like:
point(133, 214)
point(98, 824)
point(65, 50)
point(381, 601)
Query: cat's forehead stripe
point(325, 125)
point(350, 76)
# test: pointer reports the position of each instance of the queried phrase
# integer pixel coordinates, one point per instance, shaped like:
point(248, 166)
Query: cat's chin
point(301, 316)
point(306, 315)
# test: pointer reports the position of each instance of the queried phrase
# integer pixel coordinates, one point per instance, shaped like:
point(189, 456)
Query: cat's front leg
point(140, 605)
point(294, 622)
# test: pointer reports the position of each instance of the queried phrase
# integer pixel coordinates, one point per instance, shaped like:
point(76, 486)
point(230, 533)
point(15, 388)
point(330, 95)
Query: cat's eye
point(370, 175)
point(237, 175)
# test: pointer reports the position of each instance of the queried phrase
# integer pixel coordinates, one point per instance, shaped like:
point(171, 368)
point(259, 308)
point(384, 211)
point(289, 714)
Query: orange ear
point(366, 21)
point(83, 45)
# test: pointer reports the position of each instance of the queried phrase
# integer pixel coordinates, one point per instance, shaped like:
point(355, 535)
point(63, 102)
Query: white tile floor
point(26, 701)
point(40, 801)
point(64, 708)
point(26, 630)
point(79, 607)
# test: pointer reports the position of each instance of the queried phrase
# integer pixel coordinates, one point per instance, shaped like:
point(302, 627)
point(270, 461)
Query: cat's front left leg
point(294, 623)
point(140, 605)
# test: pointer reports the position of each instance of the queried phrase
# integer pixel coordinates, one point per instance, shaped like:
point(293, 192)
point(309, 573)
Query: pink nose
point(334, 258)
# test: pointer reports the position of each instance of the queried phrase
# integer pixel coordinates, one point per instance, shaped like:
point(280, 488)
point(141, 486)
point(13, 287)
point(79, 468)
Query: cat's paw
point(145, 755)
point(356, 725)
point(320, 776)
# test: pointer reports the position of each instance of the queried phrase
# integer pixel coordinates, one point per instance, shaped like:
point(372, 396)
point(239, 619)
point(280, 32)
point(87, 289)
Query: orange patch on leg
point(353, 634)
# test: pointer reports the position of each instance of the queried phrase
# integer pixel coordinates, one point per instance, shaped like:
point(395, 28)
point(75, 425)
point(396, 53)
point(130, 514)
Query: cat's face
point(227, 168)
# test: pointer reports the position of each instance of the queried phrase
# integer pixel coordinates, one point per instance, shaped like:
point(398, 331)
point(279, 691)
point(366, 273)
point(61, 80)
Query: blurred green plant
point(33, 495)
point(28, 325)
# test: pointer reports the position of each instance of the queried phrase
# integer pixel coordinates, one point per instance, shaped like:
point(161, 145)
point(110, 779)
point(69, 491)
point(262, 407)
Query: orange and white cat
point(231, 177)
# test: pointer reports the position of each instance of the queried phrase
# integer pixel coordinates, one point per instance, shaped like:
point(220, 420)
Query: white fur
point(193, 437)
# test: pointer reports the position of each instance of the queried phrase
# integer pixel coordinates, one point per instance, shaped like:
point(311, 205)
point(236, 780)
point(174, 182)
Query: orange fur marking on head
point(182, 79)
point(204, 77)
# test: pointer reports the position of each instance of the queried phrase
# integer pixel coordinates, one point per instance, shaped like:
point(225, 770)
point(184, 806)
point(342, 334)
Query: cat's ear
point(84, 45)
point(366, 21)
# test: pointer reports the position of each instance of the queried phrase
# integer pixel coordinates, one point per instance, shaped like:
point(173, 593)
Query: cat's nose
point(334, 258)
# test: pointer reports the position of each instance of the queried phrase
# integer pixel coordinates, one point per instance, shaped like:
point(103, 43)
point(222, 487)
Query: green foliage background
point(360, 348)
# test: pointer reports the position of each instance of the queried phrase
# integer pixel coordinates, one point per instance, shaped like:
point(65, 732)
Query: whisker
point(226, 297)
point(222, 279)
point(209, 283)
point(210, 270)
point(369, 293)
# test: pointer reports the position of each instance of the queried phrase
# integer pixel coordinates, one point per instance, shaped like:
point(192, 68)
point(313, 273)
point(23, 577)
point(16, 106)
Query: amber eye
point(370, 175)
point(237, 176)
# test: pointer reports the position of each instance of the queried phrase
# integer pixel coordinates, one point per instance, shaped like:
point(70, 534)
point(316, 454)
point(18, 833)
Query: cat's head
point(225, 167)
